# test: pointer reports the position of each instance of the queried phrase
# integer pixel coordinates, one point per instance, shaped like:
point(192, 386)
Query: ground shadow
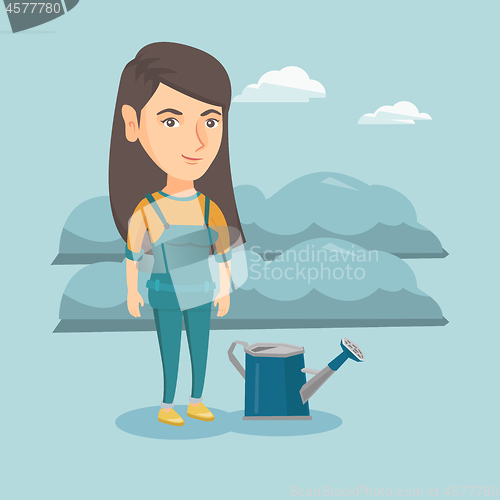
point(321, 422)
point(144, 422)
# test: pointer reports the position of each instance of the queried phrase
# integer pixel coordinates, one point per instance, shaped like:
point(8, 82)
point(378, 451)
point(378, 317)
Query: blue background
point(421, 412)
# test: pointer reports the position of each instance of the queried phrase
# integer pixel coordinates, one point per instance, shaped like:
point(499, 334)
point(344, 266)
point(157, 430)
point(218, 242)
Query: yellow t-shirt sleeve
point(140, 207)
point(217, 221)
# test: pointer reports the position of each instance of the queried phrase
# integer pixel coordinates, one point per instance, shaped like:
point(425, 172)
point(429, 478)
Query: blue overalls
point(181, 275)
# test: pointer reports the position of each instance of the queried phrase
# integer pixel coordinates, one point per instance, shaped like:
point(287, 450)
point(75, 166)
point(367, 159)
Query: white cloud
point(291, 84)
point(402, 113)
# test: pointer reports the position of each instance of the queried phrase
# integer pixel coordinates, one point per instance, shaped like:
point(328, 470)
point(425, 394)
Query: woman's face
point(181, 134)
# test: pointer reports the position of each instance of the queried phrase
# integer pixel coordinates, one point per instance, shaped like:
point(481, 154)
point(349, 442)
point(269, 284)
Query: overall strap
point(207, 209)
point(156, 208)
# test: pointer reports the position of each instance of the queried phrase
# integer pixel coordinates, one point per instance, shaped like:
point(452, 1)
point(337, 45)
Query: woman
point(170, 180)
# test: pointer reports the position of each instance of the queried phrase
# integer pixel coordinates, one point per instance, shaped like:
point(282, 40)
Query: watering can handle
point(233, 359)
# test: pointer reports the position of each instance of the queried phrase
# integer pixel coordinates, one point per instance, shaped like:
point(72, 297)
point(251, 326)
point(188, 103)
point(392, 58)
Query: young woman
point(170, 180)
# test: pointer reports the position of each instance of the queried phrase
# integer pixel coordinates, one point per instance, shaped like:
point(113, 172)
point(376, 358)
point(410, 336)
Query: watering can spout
point(349, 351)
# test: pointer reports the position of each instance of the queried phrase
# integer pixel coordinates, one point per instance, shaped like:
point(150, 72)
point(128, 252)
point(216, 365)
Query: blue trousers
point(169, 329)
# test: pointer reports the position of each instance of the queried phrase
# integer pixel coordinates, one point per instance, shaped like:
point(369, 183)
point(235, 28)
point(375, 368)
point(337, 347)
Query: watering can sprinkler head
point(349, 351)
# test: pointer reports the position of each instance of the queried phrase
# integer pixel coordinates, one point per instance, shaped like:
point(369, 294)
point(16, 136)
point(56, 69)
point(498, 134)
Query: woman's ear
point(131, 125)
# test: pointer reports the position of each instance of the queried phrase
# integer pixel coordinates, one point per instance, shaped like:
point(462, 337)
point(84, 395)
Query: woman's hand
point(223, 300)
point(133, 300)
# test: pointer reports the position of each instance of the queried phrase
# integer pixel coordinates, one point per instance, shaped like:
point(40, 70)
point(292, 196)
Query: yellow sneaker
point(200, 412)
point(170, 417)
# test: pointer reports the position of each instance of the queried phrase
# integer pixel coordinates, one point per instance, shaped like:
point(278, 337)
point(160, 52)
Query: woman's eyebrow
point(169, 110)
point(208, 111)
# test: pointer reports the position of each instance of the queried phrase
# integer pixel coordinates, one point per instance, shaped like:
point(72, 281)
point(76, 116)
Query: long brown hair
point(132, 173)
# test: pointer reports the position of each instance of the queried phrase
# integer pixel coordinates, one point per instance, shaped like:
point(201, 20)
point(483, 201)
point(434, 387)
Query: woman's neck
point(177, 186)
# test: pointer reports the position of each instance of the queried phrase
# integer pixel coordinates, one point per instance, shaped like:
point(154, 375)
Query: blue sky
point(419, 420)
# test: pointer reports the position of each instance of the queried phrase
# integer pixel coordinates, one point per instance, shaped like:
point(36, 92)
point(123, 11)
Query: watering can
point(275, 378)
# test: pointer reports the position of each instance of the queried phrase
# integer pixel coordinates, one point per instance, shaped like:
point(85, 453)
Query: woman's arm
point(224, 289)
point(225, 276)
point(223, 257)
point(133, 252)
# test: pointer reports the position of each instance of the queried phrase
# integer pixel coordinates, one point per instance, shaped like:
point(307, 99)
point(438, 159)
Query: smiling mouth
point(192, 159)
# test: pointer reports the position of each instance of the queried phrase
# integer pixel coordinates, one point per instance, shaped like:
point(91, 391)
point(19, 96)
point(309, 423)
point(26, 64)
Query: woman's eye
point(212, 123)
point(171, 123)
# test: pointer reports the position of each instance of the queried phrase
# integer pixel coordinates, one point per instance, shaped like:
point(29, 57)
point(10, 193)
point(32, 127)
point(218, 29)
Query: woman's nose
point(201, 136)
